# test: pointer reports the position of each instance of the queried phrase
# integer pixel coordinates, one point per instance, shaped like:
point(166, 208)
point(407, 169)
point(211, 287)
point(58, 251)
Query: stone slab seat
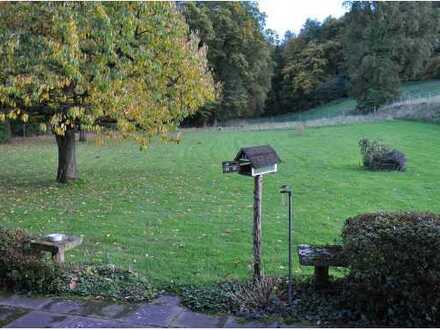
point(57, 249)
point(321, 257)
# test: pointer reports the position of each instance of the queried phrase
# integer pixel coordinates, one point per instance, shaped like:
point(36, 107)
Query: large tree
point(68, 64)
point(387, 42)
point(238, 53)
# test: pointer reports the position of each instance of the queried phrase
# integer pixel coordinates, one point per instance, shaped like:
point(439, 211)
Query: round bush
point(377, 156)
point(395, 267)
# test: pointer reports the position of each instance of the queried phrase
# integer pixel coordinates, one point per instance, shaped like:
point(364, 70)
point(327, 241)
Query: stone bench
point(321, 257)
point(56, 248)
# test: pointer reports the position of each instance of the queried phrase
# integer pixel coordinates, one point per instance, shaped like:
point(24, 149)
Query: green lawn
point(169, 212)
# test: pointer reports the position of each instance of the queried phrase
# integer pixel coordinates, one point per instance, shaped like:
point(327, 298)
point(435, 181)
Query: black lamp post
point(286, 189)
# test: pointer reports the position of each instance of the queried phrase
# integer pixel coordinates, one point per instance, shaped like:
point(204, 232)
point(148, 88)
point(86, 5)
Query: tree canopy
point(238, 53)
point(385, 43)
point(133, 64)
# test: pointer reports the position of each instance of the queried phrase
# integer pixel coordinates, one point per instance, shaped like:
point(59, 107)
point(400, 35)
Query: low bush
point(22, 269)
point(249, 299)
point(377, 156)
point(394, 275)
point(213, 298)
point(108, 281)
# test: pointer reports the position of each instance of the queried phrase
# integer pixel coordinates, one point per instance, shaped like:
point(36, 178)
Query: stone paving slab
point(63, 306)
point(9, 314)
point(189, 319)
point(232, 322)
point(153, 315)
point(97, 309)
point(24, 302)
point(88, 322)
point(167, 300)
point(165, 311)
point(37, 319)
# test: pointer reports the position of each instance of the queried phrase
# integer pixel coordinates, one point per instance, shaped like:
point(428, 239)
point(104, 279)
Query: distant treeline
point(366, 54)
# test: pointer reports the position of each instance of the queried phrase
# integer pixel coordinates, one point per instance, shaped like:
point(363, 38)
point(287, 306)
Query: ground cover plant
point(170, 214)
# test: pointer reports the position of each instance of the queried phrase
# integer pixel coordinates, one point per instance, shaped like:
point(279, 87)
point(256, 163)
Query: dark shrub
point(377, 156)
point(395, 267)
point(22, 269)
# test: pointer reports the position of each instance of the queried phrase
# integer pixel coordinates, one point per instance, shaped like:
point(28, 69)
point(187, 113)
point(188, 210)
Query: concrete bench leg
point(321, 276)
point(58, 256)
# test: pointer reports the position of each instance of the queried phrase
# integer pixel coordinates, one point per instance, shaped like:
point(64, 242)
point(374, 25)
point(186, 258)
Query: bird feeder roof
point(258, 156)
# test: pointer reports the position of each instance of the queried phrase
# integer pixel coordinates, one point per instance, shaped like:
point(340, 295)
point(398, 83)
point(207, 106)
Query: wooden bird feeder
point(255, 162)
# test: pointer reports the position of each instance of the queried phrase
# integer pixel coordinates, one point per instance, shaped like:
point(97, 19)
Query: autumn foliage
point(69, 64)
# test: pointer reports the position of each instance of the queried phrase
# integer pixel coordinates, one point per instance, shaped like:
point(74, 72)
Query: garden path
point(18, 311)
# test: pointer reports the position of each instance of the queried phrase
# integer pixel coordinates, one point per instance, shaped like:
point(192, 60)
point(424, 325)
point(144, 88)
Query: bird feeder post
point(258, 192)
point(255, 162)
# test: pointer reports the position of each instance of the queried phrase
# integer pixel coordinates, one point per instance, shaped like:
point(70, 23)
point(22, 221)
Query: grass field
point(170, 213)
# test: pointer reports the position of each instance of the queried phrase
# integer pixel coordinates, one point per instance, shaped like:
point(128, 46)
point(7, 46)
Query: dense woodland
point(365, 54)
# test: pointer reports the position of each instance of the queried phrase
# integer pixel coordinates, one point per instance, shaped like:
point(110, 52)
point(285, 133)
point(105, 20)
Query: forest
point(366, 54)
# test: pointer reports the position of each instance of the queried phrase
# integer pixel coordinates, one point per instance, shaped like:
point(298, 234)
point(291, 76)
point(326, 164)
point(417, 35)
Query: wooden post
point(258, 192)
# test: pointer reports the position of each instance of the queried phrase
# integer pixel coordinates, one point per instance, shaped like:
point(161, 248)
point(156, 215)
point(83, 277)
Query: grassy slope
point(171, 213)
point(347, 105)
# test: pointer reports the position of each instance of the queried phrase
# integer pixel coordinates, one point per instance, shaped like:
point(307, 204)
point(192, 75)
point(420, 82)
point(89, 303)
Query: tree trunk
point(8, 130)
point(82, 136)
point(66, 157)
point(258, 192)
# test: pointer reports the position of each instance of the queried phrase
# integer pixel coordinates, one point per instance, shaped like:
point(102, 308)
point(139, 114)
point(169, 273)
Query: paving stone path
point(166, 311)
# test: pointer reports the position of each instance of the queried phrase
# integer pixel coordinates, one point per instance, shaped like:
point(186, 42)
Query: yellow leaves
point(2, 117)
point(24, 117)
point(12, 115)
point(43, 127)
point(131, 63)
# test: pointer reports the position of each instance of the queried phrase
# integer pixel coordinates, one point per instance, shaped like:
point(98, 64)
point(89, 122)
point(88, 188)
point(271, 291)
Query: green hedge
point(395, 267)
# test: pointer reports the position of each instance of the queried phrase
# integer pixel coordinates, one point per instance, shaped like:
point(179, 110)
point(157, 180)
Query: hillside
point(346, 106)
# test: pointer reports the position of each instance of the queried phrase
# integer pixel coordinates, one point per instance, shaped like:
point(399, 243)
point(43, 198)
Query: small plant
point(377, 156)
point(258, 296)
